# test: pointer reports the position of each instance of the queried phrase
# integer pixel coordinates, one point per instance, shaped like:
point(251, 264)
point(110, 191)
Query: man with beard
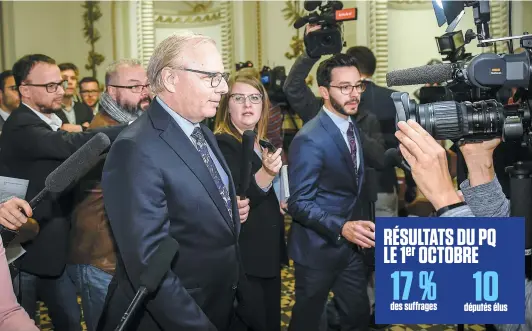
point(75, 115)
point(92, 253)
point(9, 98)
point(31, 147)
point(326, 176)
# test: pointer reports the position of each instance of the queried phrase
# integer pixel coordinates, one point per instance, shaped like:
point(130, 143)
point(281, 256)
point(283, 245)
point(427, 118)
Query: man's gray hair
point(112, 69)
point(169, 54)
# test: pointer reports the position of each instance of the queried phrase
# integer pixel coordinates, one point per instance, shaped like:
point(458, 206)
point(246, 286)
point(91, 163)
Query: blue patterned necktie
point(201, 146)
point(353, 144)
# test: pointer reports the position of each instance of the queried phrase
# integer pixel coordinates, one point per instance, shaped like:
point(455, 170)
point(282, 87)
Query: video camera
point(273, 80)
point(477, 115)
point(327, 40)
point(474, 112)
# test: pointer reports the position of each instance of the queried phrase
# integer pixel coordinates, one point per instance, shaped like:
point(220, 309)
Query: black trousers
point(267, 301)
point(349, 286)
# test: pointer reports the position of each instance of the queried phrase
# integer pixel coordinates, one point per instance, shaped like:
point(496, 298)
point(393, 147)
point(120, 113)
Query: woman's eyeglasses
point(241, 98)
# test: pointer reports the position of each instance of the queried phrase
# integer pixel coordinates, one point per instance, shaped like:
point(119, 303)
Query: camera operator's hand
point(428, 161)
point(479, 160)
point(311, 27)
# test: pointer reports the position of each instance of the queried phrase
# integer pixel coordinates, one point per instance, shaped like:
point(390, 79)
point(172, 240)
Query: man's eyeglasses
point(216, 77)
point(12, 87)
point(90, 92)
point(241, 98)
point(133, 88)
point(348, 89)
point(50, 87)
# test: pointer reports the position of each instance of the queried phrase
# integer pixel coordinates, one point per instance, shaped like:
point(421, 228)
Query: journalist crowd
point(177, 173)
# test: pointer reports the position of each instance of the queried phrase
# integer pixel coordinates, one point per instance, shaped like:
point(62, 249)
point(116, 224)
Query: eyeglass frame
point(63, 84)
point(131, 87)
point(247, 97)
point(211, 75)
point(360, 90)
point(91, 92)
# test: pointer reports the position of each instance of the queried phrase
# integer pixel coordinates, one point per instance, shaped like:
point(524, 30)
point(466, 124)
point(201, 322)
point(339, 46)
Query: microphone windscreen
point(248, 141)
point(78, 164)
point(158, 264)
point(428, 74)
point(311, 5)
point(392, 158)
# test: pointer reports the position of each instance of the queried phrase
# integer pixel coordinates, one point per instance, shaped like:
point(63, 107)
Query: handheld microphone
point(77, 165)
point(428, 74)
point(393, 158)
point(150, 279)
point(248, 141)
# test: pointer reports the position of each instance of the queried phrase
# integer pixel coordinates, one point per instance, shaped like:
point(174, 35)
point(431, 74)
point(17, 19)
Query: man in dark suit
point(76, 116)
point(326, 171)
point(9, 98)
point(165, 176)
point(377, 100)
point(31, 147)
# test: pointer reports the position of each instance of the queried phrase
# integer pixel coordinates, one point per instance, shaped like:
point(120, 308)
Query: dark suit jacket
point(30, 149)
point(324, 191)
point(156, 184)
point(2, 123)
point(262, 241)
point(83, 114)
point(377, 100)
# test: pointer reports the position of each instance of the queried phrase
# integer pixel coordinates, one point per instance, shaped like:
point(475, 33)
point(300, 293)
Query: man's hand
point(428, 161)
point(361, 233)
point(71, 127)
point(10, 215)
point(284, 207)
point(243, 209)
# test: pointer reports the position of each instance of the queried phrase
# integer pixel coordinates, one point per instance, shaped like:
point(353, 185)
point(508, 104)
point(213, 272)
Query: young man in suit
point(326, 171)
point(31, 147)
point(76, 116)
point(9, 98)
point(166, 176)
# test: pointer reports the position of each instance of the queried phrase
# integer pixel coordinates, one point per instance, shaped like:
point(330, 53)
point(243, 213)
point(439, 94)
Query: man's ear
point(170, 79)
point(324, 92)
point(23, 91)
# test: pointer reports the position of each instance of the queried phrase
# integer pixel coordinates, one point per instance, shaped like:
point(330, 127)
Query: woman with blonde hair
point(262, 244)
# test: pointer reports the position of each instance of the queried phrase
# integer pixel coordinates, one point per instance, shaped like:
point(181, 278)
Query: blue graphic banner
point(450, 270)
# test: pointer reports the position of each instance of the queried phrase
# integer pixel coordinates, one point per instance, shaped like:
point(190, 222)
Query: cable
point(510, 42)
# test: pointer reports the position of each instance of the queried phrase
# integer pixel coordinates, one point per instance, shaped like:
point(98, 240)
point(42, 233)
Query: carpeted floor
point(287, 301)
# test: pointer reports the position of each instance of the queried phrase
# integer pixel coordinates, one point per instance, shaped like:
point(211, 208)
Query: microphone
point(372, 185)
point(150, 279)
point(428, 74)
point(393, 158)
point(77, 165)
point(248, 141)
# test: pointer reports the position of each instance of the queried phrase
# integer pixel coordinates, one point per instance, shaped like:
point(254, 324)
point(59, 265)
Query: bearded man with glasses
point(31, 147)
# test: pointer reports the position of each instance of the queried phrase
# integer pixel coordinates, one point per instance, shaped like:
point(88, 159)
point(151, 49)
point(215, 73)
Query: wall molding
point(145, 31)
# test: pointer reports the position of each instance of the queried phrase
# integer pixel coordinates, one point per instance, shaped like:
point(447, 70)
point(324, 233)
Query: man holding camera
point(482, 193)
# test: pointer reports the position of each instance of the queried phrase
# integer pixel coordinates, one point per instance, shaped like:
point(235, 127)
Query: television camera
point(474, 113)
point(328, 39)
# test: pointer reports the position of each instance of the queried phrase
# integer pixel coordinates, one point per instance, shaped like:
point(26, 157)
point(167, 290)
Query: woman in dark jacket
point(262, 244)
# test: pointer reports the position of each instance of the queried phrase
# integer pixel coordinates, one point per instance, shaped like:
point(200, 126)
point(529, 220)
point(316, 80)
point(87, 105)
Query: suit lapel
point(178, 141)
point(339, 141)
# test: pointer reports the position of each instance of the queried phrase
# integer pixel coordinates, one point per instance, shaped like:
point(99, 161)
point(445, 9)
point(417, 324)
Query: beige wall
point(55, 29)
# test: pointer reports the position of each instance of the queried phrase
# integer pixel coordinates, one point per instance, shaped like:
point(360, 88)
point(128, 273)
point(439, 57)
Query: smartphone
point(268, 145)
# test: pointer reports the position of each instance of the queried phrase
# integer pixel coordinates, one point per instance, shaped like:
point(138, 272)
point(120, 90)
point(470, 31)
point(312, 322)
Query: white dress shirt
point(53, 121)
point(343, 125)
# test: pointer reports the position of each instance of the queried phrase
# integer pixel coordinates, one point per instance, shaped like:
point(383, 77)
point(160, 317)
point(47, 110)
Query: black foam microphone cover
point(73, 168)
point(428, 74)
point(159, 264)
point(248, 142)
